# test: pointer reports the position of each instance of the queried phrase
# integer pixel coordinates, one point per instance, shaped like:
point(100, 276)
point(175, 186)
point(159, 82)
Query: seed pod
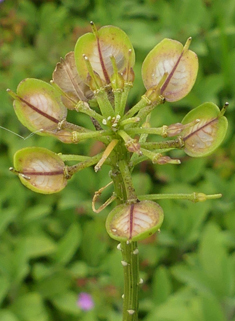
point(38, 106)
point(40, 170)
point(98, 47)
point(170, 58)
point(134, 221)
point(66, 77)
point(207, 134)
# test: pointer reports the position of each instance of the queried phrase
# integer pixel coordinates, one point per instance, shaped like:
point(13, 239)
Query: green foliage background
point(53, 247)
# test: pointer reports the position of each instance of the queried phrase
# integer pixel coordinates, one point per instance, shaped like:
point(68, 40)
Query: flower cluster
point(95, 79)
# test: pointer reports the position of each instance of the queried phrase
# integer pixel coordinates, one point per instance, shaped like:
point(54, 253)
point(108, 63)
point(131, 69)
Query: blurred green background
point(53, 247)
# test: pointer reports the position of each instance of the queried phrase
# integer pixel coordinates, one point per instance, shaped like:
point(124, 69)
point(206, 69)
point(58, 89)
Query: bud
point(134, 221)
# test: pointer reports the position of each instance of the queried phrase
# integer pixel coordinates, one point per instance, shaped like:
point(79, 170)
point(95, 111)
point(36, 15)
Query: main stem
point(130, 255)
point(130, 264)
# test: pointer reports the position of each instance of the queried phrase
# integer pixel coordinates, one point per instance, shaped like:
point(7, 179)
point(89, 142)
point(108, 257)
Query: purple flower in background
point(85, 301)
point(1, 1)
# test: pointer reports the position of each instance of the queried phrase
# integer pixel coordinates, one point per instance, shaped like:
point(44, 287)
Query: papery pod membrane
point(40, 170)
point(181, 65)
point(205, 136)
point(38, 106)
point(109, 41)
point(65, 136)
point(66, 77)
point(134, 222)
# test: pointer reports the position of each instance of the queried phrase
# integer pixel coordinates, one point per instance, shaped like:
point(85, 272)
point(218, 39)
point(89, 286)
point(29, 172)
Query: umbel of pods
point(95, 79)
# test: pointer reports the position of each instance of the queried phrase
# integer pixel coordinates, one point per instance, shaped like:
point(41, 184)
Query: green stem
point(117, 101)
point(99, 135)
point(134, 110)
point(143, 130)
point(127, 180)
point(125, 192)
point(194, 197)
point(130, 262)
point(125, 93)
point(84, 108)
point(71, 157)
point(105, 105)
point(86, 163)
point(174, 143)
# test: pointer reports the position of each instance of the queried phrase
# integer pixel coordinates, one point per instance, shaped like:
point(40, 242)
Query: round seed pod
point(134, 222)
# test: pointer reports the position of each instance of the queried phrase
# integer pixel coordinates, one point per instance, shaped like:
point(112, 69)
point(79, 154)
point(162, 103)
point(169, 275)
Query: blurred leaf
point(7, 315)
point(36, 246)
point(94, 234)
point(67, 302)
point(7, 217)
point(212, 309)
point(4, 287)
point(215, 262)
point(79, 269)
point(142, 183)
point(36, 213)
point(54, 284)
point(30, 307)
point(68, 245)
point(162, 286)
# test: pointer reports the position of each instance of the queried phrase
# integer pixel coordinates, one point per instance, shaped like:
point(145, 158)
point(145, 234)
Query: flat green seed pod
point(98, 47)
point(134, 222)
point(40, 170)
point(180, 64)
point(38, 106)
point(207, 134)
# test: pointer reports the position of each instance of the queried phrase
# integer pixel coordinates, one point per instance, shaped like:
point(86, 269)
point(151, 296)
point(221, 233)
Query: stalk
point(130, 255)
point(130, 262)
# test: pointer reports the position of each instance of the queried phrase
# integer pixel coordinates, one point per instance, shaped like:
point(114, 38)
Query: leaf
point(38, 106)
point(6, 217)
point(212, 309)
point(7, 315)
point(54, 284)
point(205, 136)
point(99, 47)
point(40, 170)
point(162, 286)
point(30, 307)
point(135, 221)
point(66, 77)
point(68, 245)
point(4, 287)
point(180, 64)
point(37, 246)
point(94, 238)
point(67, 302)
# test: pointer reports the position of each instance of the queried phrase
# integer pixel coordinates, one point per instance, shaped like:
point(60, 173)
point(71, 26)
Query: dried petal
point(40, 170)
point(135, 221)
point(180, 64)
point(207, 134)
